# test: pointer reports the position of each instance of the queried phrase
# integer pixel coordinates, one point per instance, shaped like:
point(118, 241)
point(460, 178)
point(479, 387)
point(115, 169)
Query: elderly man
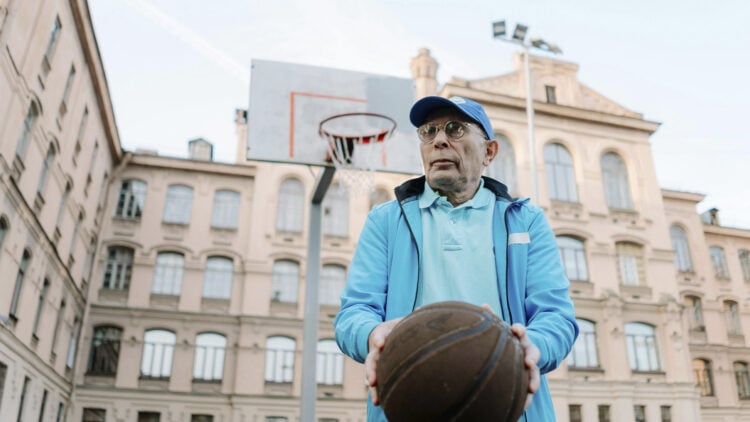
point(416, 250)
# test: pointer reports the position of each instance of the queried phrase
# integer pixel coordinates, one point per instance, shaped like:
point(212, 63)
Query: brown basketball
point(452, 361)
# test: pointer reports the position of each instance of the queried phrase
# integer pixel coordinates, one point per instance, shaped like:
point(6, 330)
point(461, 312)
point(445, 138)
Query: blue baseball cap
point(471, 109)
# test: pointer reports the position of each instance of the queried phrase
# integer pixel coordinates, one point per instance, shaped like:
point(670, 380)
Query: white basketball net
point(356, 147)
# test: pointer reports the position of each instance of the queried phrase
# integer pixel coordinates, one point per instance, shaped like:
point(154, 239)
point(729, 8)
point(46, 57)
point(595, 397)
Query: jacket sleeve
point(363, 299)
point(549, 312)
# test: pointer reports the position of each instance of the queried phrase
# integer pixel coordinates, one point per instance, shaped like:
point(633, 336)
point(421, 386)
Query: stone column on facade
point(424, 72)
point(615, 336)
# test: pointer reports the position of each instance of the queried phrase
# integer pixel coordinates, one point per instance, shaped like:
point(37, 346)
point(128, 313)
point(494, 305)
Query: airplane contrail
point(192, 39)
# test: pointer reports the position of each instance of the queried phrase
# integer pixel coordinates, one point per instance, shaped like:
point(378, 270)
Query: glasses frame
point(463, 125)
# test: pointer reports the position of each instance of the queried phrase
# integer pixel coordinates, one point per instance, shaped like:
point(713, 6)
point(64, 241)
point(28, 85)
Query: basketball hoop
point(356, 146)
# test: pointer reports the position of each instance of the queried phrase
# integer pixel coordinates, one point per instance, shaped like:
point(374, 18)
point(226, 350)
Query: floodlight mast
point(519, 38)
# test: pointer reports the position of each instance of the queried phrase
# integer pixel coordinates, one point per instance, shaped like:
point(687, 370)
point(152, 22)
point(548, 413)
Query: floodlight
point(498, 29)
point(519, 34)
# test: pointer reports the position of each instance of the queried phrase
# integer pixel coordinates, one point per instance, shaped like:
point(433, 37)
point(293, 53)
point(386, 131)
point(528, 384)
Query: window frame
point(178, 205)
point(205, 351)
point(225, 209)
point(169, 270)
point(159, 349)
point(290, 210)
point(218, 277)
point(104, 355)
point(683, 261)
point(641, 337)
point(559, 167)
point(280, 360)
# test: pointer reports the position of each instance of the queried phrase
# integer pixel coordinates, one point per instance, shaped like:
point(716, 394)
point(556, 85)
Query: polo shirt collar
point(482, 197)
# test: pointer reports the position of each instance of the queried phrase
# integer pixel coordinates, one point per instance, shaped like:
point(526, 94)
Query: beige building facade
point(136, 287)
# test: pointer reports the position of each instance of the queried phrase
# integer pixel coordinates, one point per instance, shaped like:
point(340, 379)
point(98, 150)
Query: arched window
point(719, 261)
point(285, 280)
point(4, 229)
point(336, 211)
point(131, 199)
point(732, 313)
point(642, 349)
point(209, 357)
point(40, 308)
point(681, 249)
point(49, 159)
point(615, 177)
point(744, 256)
point(168, 273)
point(105, 351)
point(332, 281)
point(118, 269)
point(584, 353)
point(226, 209)
point(279, 359)
point(291, 211)
point(158, 348)
point(573, 257)
point(28, 126)
point(561, 179)
point(217, 281)
point(330, 365)
point(703, 376)
point(630, 263)
point(23, 266)
point(179, 204)
point(503, 167)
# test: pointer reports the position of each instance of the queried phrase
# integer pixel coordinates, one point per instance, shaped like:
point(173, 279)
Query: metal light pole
point(519, 38)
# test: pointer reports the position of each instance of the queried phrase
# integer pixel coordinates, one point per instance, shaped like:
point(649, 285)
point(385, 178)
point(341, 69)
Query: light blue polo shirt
point(458, 262)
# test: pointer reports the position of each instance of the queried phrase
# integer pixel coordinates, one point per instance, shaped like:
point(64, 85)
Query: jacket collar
point(413, 188)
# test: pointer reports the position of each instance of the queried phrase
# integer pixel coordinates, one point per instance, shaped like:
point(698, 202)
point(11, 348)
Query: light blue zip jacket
point(384, 278)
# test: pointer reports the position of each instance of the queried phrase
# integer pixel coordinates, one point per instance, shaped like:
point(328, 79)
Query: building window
point(178, 205)
point(681, 249)
point(379, 196)
point(3, 374)
point(330, 365)
point(603, 411)
point(201, 418)
point(4, 228)
point(54, 36)
point(276, 419)
point(105, 351)
point(74, 237)
point(158, 347)
point(149, 416)
point(131, 199)
point(28, 125)
point(336, 211)
point(742, 378)
point(615, 178)
point(744, 255)
point(719, 262)
point(284, 282)
point(226, 209)
point(79, 135)
point(279, 359)
point(630, 263)
point(60, 412)
point(49, 159)
point(73, 343)
point(209, 357)
point(42, 405)
point(573, 258)
point(168, 273)
point(63, 203)
point(332, 281)
point(58, 324)
point(695, 313)
point(642, 351)
point(22, 400)
point(549, 90)
point(291, 210)
point(703, 377)
point(94, 415)
point(561, 179)
point(40, 308)
point(503, 167)
point(22, 268)
point(584, 353)
point(66, 93)
point(118, 269)
point(732, 312)
point(639, 412)
point(217, 283)
point(666, 413)
point(574, 413)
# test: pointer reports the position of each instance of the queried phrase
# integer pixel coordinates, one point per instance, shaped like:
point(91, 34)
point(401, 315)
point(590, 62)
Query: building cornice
point(682, 196)
point(727, 231)
point(199, 166)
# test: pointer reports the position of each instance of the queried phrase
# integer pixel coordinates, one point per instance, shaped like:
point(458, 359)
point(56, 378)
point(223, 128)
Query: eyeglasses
point(453, 130)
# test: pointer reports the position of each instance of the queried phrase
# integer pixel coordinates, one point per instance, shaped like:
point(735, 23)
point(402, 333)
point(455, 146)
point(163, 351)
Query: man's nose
point(441, 140)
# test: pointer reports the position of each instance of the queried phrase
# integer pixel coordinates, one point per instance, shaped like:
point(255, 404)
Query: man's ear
point(490, 151)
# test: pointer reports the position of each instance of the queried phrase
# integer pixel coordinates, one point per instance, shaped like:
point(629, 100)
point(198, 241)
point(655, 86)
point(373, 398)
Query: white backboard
point(289, 101)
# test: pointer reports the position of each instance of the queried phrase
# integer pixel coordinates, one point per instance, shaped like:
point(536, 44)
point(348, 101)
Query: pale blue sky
point(177, 69)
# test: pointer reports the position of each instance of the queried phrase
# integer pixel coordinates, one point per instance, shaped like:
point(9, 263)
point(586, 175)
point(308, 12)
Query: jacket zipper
point(419, 255)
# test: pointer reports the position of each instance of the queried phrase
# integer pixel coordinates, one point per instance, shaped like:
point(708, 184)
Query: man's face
point(455, 165)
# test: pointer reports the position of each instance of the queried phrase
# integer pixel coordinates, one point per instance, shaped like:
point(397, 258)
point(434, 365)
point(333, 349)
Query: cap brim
point(422, 108)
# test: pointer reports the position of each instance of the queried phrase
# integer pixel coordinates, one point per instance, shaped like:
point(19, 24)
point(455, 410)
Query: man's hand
point(376, 343)
point(532, 357)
